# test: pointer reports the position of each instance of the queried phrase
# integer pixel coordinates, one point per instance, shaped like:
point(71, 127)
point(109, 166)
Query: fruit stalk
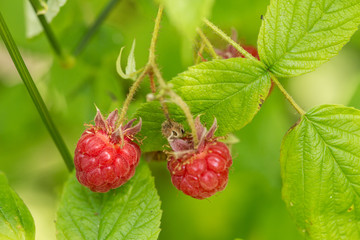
point(163, 86)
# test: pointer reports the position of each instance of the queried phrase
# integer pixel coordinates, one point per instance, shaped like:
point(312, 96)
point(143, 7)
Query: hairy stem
point(34, 93)
point(130, 95)
point(207, 43)
point(287, 95)
point(94, 27)
point(228, 39)
point(174, 97)
point(178, 101)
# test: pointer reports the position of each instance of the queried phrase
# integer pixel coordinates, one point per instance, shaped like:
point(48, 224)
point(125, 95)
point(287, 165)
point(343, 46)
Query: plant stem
point(228, 39)
point(152, 58)
point(130, 96)
point(48, 31)
point(34, 93)
point(207, 43)
point(174, 97)
point(179, 101)
point(287, 95)
point(94, 27)
point(40, 6)
point(199, 53)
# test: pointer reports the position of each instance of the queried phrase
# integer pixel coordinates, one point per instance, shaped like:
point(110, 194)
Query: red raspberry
point(202, 172)
point(106, 157)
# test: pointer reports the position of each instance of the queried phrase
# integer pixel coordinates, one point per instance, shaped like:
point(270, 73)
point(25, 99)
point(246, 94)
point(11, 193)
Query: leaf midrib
point(279, 59)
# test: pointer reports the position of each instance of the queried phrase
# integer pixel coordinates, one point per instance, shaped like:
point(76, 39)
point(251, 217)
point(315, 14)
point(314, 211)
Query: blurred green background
point(250, 208)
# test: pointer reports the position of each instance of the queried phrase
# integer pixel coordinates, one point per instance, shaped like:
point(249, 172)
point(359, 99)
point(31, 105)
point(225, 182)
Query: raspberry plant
point(319, 157)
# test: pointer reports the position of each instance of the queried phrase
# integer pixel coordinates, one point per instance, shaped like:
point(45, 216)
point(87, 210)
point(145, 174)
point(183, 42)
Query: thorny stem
point(228, 39)
point(287, 95)
point(207, 43)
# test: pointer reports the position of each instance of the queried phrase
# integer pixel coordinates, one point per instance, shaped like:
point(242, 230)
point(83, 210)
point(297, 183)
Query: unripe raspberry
point(106, 156)
point(200, 172)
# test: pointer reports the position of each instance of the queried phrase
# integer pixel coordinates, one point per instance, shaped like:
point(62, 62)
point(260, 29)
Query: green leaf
point(298, 36)
point(33, 26)
point(231, 90)
point(131, 211)
point(186, 15)
point(320, 168)
point(16, 221)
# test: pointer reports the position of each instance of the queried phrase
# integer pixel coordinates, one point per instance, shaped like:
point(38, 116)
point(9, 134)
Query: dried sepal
point(185, 145)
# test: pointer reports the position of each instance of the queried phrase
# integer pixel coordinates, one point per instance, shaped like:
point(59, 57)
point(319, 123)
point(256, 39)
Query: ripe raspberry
point(202, 172)
point(106, 156)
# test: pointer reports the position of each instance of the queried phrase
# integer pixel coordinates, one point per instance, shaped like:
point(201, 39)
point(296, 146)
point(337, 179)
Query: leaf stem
point(49, 33)
point(34, 93)
point(207, 43)
point(94, 27)
point(228, 39)
point(287, 95)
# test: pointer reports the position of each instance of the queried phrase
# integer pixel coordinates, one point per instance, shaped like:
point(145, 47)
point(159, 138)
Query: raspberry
point(106, 156)
point(201, 172)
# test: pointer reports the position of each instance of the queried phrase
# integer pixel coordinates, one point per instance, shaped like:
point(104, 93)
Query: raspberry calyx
point(199, 171)
point(106, 155)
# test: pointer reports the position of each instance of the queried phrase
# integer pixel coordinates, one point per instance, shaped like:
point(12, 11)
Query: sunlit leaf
point(131, 211)
point(297, 36)
point(231, 90)
point(16, 222)
point(320, 167)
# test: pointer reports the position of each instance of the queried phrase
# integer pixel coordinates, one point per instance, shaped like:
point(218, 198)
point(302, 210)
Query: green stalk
point(49, 33)
point(34, 93)
point(94, 27)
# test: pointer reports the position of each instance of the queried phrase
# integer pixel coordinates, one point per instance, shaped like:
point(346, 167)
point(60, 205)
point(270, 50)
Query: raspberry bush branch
point(287, 95)
point(229, 40)
point(207, 43)
point(34, 93)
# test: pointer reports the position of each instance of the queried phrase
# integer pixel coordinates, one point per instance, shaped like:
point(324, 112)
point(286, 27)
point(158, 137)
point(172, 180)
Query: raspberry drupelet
point(106, 156)
point(200, 171)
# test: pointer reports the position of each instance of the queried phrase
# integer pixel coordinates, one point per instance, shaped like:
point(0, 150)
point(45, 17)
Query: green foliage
point(33, 26)
point(16, 222)
point(186, 15)
point(320, 168)
point(231, 90)
point(296, 37)
point(129, 212)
